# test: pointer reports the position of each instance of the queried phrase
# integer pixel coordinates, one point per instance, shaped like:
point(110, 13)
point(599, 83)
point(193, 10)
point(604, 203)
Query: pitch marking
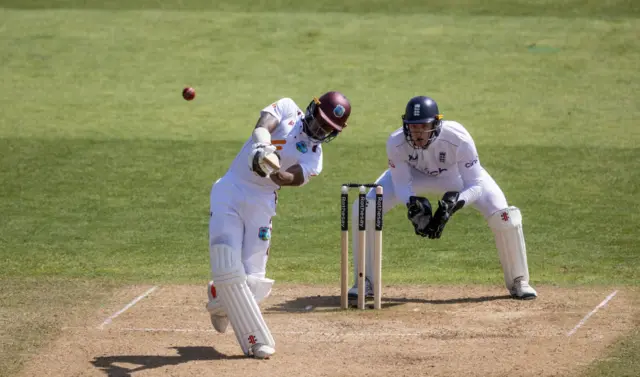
point(586, 317)
point(127, 307)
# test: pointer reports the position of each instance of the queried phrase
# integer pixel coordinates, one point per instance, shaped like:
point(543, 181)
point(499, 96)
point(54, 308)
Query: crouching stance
point(429, 155)
point(285, 149)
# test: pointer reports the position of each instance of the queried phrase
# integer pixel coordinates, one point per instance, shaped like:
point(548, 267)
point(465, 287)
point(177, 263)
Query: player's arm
point(270, 116)
point(267, 121)
point(400, 173)
point(452, 201)
point(418, 208)
point(309, 165)
point(265, 126)
point(261, 147)
point(471, 173)
point(294, 176)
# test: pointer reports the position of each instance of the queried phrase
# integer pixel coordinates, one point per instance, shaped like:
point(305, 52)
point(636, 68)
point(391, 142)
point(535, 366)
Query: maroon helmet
point(326, 116)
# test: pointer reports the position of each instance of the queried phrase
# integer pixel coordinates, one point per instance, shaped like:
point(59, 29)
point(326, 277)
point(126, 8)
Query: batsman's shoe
point(522, 290)
point(368, 290)
point(262, 351)
point(220, 322)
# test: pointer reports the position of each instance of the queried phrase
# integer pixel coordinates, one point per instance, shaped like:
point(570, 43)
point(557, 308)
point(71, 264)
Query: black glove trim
point(256, 165)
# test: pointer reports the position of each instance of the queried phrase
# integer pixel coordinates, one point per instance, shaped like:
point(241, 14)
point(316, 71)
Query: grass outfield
point(105, 171)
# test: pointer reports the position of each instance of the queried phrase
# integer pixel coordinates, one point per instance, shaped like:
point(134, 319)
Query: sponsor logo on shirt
point(434, 173)
point(471, 163)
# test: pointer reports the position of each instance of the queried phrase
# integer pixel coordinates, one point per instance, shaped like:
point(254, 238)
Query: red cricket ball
point(188, 93)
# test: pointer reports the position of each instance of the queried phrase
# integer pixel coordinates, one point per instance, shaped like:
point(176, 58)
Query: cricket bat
point(272, 160)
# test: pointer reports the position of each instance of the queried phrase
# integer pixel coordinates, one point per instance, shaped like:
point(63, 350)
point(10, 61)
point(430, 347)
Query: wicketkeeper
point(429, 155)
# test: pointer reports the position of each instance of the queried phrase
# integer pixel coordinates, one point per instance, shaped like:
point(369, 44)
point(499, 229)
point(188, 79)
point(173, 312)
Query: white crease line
point(600, 305)
point(347, 334)
point(327, 336)
point(155, 329)
point(129, 305)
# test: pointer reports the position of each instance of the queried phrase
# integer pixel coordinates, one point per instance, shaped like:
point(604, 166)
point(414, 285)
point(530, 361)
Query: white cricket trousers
point(490, 201)
point(240, 217)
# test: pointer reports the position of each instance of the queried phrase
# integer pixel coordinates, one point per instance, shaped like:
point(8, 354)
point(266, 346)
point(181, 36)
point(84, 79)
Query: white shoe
point(262, 351)
point(368, 290)
point(522, 290)
point(220, 322)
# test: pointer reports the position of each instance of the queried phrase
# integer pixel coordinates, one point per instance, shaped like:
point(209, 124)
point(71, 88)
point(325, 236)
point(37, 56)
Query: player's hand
point(419, 212)
point(447, 206)
point(257, 164)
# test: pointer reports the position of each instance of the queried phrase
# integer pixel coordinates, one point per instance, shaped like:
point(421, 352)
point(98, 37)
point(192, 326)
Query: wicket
point(362, 231)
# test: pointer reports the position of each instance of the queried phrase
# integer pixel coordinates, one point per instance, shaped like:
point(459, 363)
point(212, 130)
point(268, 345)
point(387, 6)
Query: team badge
point(264, 233)
point(338, 111)
point(301, 146)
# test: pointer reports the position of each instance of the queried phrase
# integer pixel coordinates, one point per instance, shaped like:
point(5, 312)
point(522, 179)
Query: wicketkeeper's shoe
point(262, 351)
point(368, 290)
point(522, 290)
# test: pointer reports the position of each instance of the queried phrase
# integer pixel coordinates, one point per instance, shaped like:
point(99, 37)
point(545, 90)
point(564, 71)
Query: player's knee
point(226, 265)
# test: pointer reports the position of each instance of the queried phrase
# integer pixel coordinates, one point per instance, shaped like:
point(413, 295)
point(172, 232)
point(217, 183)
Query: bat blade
point(272, 161)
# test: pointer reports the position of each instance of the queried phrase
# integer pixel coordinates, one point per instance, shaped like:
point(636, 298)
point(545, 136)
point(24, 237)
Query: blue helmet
point(421, 110)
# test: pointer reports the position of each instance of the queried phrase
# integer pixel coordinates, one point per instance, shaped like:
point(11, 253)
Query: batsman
point(429, 155)
point(285, 149)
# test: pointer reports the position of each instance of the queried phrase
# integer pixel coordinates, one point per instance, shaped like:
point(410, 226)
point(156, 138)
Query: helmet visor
point(421, 133)
point(317, 129)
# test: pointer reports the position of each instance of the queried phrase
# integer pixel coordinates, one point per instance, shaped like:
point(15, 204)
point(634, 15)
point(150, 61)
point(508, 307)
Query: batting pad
point(214, 305)
point(507, 229)
point(260, 287)
point(242, 309)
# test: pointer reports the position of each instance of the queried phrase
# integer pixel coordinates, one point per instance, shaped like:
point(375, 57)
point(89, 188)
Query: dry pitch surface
point(422, 330)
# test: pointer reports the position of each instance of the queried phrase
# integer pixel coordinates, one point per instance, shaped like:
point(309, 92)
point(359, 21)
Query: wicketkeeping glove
point(447, 206)
point(419, 212)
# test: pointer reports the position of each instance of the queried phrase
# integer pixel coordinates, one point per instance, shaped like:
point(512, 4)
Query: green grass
point(33, 311)
point(558, 8)
point(105, 171)
point(622, 360)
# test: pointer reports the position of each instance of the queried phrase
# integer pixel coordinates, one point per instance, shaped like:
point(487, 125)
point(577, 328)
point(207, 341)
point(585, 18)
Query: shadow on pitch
point(329, 303)
point(185, 354)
